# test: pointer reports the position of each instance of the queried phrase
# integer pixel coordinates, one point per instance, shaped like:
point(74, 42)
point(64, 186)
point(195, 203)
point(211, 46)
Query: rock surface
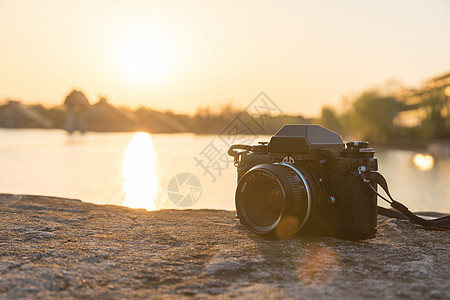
point(59, 248)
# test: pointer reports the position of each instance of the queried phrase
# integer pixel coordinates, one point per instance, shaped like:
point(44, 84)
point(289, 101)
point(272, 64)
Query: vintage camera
point(306, 180)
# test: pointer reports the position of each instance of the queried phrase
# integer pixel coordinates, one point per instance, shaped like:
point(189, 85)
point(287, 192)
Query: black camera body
point(306, 180)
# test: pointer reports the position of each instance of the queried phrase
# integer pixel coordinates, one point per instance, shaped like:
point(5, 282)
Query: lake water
point(142, 170)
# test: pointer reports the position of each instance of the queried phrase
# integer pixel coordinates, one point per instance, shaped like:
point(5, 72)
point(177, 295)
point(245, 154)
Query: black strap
point(442, 223)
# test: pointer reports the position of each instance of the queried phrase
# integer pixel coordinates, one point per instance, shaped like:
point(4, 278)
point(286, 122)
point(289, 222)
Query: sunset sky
point(180, 55)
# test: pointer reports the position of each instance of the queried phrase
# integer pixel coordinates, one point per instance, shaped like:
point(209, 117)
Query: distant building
point(16, 115)
point(427, 107)
point(77, 104)
point(103, 116)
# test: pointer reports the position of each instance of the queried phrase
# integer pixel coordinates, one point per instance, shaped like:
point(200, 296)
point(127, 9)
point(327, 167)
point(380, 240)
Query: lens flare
point(320, 266)
point(423, 162)
point(287, 227)
point(141, 184)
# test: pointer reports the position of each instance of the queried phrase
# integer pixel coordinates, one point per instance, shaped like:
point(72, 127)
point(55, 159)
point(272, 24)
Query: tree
point(329, 119)
point(371, 116)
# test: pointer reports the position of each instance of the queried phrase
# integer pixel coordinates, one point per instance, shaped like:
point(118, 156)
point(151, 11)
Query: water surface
point(135, 169)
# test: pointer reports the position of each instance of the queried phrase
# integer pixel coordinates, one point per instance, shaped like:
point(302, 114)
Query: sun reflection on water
point(141, 185)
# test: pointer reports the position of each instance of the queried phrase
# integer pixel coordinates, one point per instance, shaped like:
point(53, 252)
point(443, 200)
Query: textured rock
point(55, 248)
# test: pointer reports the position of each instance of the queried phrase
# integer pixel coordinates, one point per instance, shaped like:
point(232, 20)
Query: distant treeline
point(368, 116)
point(371, 115)
point(204, 121)
point(376, 116)
point(77, 113)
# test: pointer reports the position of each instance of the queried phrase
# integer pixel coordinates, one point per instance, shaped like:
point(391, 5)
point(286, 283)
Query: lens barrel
point(277, 199)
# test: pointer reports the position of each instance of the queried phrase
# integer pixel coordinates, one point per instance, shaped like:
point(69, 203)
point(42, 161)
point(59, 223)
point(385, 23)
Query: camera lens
point(275, 198)
point(263, 201)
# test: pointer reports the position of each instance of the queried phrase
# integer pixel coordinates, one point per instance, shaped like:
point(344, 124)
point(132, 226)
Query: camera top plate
point(306, 139)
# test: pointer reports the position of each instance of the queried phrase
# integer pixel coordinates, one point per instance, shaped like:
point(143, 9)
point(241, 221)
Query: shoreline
point(435, 147)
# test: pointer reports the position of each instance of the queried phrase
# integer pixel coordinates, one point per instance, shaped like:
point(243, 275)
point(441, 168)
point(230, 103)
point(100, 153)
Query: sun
point(144, 57)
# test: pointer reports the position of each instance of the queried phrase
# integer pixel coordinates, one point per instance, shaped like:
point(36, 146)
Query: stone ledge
point(54, 248)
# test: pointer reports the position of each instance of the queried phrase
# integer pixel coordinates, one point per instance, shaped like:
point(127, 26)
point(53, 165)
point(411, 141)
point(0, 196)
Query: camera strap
point(442, 223)
point(237, 150)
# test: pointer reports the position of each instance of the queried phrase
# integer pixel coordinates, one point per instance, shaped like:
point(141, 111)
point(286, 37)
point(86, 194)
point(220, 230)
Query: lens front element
point(273, 198)
point(263, 199)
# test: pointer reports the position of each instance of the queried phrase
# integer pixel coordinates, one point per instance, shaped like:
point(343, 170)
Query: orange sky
point(180, 55)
